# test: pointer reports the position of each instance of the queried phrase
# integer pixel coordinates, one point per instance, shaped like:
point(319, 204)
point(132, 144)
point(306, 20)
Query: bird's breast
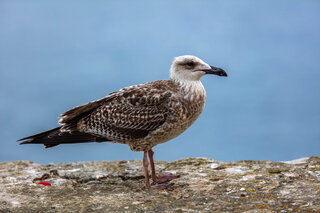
point(184, 112)
point(184, 108)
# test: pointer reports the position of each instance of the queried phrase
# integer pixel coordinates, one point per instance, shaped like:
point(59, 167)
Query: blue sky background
point(55, 55)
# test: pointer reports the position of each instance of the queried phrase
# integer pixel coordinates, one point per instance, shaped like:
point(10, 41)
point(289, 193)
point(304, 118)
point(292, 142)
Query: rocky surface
point(205, 185)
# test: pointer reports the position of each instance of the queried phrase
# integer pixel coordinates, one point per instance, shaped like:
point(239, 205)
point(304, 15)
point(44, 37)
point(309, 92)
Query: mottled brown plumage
point(140, 116)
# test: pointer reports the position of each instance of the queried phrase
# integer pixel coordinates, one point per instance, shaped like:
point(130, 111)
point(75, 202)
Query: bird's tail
point(55, 137)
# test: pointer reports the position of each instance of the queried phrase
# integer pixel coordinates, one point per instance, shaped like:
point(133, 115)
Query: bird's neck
point(193, 90)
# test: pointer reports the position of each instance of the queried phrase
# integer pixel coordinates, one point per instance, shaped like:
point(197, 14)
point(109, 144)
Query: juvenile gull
point(140, 116)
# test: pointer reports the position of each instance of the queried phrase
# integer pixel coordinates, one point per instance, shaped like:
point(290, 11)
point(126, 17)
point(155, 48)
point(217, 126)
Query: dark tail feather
point(55, 137)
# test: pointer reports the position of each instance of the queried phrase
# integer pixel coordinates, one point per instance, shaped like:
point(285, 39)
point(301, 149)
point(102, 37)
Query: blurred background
point(55, 55)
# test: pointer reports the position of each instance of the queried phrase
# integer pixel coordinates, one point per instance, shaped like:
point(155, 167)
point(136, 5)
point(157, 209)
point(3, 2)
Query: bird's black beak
point(215, 71)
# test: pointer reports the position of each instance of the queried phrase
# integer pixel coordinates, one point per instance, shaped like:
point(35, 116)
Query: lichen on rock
point(205, 185)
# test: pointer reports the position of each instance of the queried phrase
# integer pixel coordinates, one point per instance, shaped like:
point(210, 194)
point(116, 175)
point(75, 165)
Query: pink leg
point(159, 178)
point(146, 175)
point(146, 172)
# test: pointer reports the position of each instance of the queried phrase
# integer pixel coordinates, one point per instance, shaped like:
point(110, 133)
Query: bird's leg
point(146, 175)
point(146, 172)
point(159, 178)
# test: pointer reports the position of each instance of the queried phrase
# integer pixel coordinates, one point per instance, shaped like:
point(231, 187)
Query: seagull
point(140, 116)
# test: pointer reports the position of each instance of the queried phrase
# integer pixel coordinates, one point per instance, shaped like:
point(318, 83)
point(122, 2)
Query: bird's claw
point(165, 178)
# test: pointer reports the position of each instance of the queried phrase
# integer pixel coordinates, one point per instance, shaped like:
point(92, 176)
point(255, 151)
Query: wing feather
point(69, 119)
point(123, 122)
point(127, 114)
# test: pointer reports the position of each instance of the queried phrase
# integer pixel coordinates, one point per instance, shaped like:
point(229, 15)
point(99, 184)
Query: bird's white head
point(192, 68)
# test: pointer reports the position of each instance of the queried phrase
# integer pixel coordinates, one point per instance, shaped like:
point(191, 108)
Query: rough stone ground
point(205, 185)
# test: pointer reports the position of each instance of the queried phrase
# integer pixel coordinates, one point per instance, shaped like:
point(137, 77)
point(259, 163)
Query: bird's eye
point(190, 64)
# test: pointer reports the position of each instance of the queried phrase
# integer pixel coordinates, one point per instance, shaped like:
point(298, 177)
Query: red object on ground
point(44, 183)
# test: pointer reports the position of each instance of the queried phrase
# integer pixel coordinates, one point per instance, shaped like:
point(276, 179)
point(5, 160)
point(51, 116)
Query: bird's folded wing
point(77, 112)
point(122, 122)
point(129, 113)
